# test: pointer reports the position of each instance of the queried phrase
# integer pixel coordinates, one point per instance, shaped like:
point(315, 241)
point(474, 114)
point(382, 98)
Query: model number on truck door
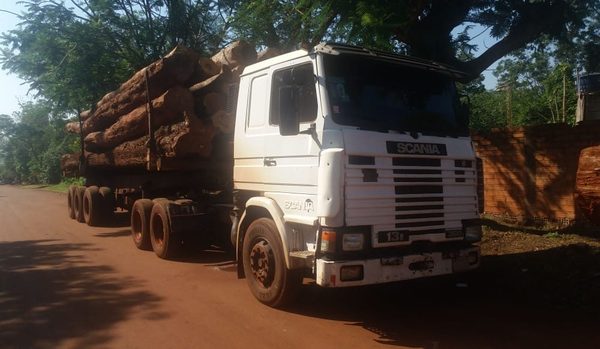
point(306, 206)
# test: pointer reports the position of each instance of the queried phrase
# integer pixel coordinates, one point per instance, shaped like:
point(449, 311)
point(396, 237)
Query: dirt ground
point(547, 267)
point(67, 285)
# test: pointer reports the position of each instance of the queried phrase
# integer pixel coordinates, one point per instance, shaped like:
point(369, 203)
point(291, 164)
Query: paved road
point(66, 285)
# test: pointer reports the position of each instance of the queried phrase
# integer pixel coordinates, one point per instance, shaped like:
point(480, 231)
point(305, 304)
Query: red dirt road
point(66, 285)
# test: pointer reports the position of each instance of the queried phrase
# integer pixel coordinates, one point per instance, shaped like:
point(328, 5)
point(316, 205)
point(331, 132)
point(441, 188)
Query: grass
point(62, 187)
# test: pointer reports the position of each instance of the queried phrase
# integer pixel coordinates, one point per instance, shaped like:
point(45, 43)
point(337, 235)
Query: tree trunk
point(587, 183)
point(176, 68)
point(174, 105)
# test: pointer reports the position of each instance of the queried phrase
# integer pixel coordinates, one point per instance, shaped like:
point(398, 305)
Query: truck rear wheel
point(140, 223)
point(71, 201)
point(264, 265)
point(78, 203)
point(108, 202)
point(164, 242)
point(92, 206)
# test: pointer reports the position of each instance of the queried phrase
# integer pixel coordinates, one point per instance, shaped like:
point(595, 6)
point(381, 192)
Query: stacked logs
point(182, 97)
point(587, 183)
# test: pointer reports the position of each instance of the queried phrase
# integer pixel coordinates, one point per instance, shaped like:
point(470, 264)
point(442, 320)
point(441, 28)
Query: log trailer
point(346, 165)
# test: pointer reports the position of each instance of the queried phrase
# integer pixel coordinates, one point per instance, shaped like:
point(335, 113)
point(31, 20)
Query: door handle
point(270, 162)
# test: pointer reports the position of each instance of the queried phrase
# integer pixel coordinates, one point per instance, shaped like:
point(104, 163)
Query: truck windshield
point(381, 95)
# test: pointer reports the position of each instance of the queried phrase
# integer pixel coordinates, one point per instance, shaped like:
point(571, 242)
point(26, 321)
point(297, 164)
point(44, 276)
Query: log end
point(587, 183)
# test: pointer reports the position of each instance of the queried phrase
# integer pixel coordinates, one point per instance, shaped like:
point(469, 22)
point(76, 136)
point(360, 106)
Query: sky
point(14, 90)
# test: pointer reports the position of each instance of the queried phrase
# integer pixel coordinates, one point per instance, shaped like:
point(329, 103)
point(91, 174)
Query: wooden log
point(213, 102)
point(175, 105)
point(85, 114)
point(587, 183)
point(176, 68)
point(69, 165)
point(181, 140)
point(238, 53)
point(216, 83)
point(267, 53)
point(204, 69)
point(223, 121)
point(72, 127)
point(185, 139)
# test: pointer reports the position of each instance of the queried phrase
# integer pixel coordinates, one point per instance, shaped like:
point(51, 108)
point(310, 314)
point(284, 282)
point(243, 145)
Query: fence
point(529, 173)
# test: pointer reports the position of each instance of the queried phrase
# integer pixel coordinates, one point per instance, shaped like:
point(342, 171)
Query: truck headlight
point(352, 273)
point(328, 241)
point(353, 242)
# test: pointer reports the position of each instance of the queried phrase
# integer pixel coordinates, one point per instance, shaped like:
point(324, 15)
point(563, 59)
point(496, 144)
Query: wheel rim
point(262, 263)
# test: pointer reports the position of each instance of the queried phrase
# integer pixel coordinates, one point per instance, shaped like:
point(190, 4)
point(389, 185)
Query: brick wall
point(529, 173)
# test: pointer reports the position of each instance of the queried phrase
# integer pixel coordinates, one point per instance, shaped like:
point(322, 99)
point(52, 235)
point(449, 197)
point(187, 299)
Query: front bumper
point(405, 267)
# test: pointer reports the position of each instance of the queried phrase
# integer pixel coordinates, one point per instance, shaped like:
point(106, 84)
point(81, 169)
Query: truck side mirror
point(289, 125)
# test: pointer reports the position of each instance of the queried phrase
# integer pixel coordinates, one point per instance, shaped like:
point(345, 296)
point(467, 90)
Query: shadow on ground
point(119, 219)
point(114, 234)
point(546, 299)
point(49, 294)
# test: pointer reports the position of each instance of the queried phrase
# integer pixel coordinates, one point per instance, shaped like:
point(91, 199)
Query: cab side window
point(299, 84)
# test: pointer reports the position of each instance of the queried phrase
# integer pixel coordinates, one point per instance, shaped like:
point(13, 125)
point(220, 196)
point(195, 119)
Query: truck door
point(266, 160)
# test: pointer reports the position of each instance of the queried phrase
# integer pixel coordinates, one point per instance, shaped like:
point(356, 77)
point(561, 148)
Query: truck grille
point(421, 196)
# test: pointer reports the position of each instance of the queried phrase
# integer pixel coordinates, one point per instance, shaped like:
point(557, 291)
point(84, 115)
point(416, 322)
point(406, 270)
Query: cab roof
point(343, 49)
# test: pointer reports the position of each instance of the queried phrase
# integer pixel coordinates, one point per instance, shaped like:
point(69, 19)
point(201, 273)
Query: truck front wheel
point(140, 223)
point(264, 265)
point(164, 242)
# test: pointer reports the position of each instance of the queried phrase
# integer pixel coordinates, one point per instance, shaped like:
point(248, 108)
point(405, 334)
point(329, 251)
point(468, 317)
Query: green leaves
point(73, 52)
point(31, 143)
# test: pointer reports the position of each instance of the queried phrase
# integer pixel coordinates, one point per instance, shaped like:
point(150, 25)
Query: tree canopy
point(421, 28)
point(31, 143)
point(74, 51)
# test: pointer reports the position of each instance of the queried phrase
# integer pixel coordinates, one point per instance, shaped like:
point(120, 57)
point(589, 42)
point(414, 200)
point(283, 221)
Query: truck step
point(301, 259)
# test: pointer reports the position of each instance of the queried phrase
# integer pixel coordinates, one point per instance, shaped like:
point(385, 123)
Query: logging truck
point(342, 164)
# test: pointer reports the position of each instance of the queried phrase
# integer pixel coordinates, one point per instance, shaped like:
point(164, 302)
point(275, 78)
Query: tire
point(164, 242)
point(140, 223)
point(71, 201)
point(264, 265)
point(93, 210)
point(108, 203)
point(78, 203)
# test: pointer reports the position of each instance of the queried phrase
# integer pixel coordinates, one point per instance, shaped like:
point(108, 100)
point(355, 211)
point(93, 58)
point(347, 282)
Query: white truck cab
point(354, 167)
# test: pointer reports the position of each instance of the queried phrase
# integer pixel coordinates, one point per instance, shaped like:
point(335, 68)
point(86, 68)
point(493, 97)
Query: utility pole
point(564, 96)
point(507, 86)
point(509, 112)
